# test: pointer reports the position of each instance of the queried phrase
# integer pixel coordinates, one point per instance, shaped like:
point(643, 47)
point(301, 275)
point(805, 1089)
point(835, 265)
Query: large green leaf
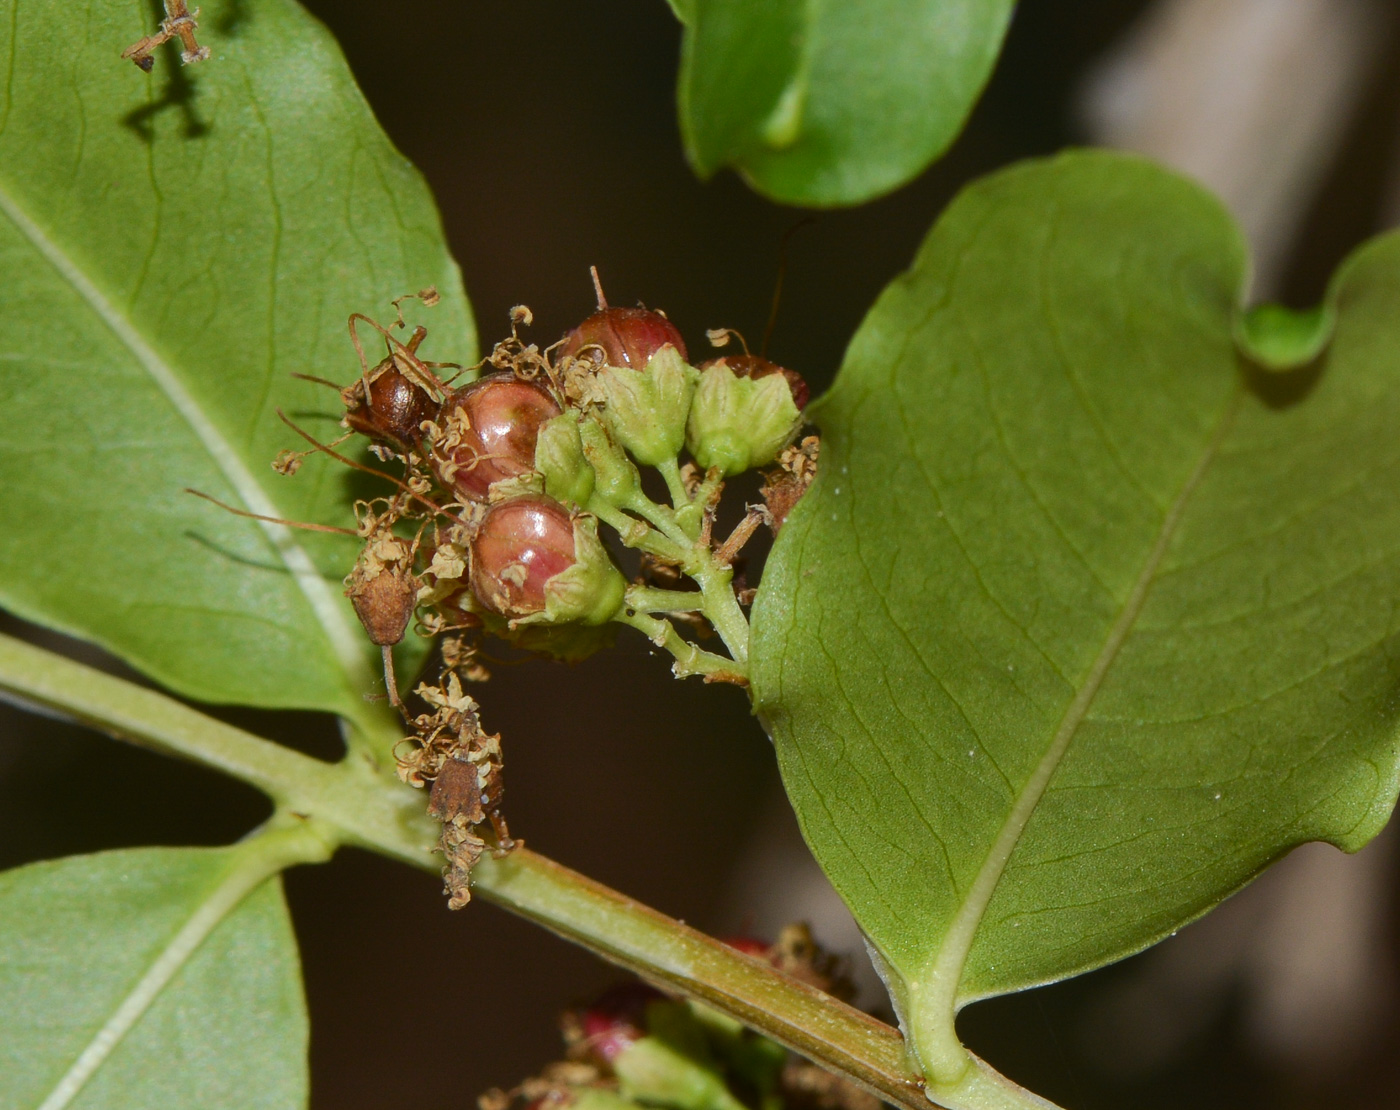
point(826, 102)
point(174, 247)
point(78, 940)
point(1084, 621)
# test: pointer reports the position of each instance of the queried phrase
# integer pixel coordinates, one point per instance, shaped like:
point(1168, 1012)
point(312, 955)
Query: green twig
point(650, 599)
point(690, 660)
point(380, 814)
point(670, 470)
point(722, 607)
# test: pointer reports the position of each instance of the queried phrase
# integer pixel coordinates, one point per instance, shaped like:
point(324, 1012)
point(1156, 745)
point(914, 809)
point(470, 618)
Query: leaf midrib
point(344, 641)
point(943, 976)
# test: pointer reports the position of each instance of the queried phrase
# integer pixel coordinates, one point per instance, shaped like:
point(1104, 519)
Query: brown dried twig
point(179, 23)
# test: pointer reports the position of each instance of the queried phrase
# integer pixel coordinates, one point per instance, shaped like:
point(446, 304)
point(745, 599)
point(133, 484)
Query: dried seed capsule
point(534, 564)
point(623, 337)
point(396, 409)
point(489, 431)
point(744, 413)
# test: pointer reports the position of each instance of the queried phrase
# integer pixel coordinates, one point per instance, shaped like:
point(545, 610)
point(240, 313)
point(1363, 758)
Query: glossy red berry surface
point(755, 366)
point(623, 337)
point(519, 546)
point(490, 428)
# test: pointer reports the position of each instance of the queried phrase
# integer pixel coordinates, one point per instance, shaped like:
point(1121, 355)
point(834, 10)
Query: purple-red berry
point(617, 1020)
point(623, 337)
point(519, 546)
point(489, 431)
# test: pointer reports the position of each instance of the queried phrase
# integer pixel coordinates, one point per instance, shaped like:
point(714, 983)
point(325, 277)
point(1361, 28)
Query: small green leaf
point(1279, 338)
point(823, 103)
point(175, 247)
point(1082, 625)
point(78, 938)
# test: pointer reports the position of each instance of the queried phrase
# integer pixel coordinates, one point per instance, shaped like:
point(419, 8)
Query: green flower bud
point(652, 1071)
point(615, 478)
point(559, 458)
point(740, 422)
point(646, 412)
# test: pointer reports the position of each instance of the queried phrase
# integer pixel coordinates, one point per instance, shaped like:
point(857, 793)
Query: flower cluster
point(515, 489)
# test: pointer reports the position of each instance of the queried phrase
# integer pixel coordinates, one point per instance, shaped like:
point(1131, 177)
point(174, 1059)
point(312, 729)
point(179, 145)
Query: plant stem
point(638, 534)
point(381, 814)
point(660, 518)
point(670, 470)
point(722, 607)
point(650, 599)
point(369, 806)
point(690, 660)
point(673, 955)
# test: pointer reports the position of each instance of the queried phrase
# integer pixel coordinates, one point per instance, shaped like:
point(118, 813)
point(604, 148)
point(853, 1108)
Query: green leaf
point(78, 940)
point(824, 103)
point(1278, 338)
point(1084, 622)
point(175, 247)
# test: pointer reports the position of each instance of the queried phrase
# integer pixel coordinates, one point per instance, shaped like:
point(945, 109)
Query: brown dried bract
point(553, 1089)
point(450, 749)
point(179, 23)
point(784, 487)
point(798, 954)
point(383, 588)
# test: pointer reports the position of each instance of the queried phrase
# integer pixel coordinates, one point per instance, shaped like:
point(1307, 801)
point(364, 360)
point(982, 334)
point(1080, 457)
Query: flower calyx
point(746, 410)
point(535, 563)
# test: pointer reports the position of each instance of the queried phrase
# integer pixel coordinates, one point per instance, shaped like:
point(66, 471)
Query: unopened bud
point(646, 411)
point(737, 420)
point(560, 460)
point(394, 411)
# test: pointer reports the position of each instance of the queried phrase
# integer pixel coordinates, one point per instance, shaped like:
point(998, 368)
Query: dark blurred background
point(548, 134)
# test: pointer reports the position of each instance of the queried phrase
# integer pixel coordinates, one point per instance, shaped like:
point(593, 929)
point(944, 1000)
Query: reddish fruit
point(519, 546)
point(755, 366)
point(617, 1020)
point(396, 408)
point(623, 337)
point(490, 428)
point(749, 946)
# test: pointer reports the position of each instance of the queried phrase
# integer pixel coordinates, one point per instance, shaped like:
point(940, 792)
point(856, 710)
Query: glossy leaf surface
point(175, 247)
point(1085, 620)
point(825, 103)
point(77, 937)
